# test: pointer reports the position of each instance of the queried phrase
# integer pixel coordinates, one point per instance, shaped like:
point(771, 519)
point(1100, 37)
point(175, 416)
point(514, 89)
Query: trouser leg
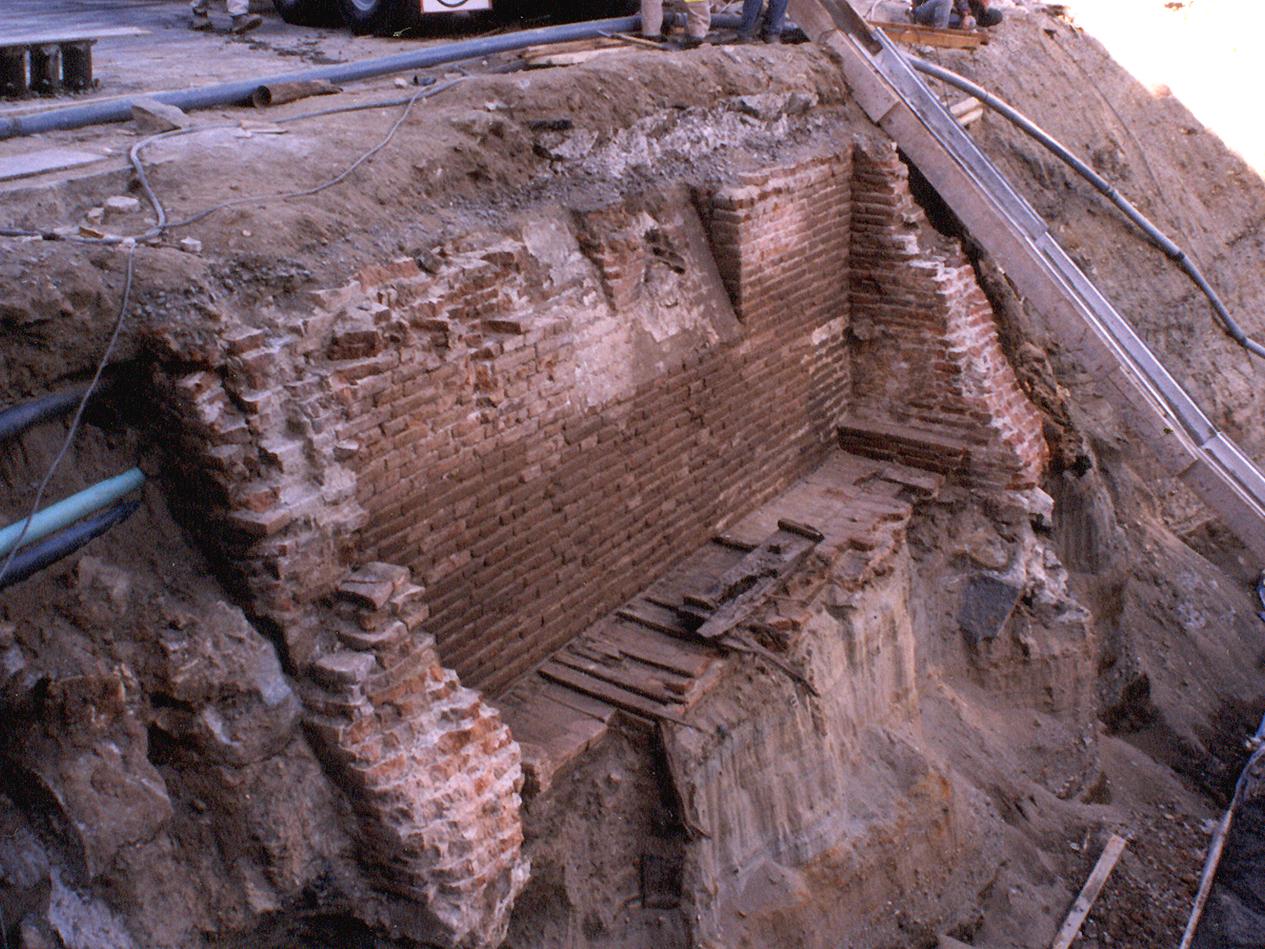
point(238, 7)
point(698, 18)
point(750, 16)
point(651, 17)
point(776, 18)
point(934, 13)
point(200, 7)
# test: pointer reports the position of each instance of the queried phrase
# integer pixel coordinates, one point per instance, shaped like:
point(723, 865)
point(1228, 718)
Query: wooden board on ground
point(44, 160)
point(566, 59)
point(1089, 892)
point(69, 36)
point(915, 34)
point(570, 53)
point(610, 694)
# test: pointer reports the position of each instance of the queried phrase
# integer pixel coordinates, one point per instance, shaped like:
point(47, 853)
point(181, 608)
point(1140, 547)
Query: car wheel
point(377, 16)
point(308, 12)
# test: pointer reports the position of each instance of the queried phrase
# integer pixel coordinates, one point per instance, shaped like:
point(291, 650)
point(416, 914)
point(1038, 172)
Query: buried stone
point(986, 605)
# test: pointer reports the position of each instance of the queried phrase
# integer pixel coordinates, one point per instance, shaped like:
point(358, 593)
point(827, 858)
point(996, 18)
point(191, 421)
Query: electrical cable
point(83, 403)
point(162, 224)
point(1100, 184)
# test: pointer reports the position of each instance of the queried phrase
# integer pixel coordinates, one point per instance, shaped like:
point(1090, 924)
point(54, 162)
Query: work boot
point(200, 22)
point(773, 39)
point(691, 42)
point(989, 17)
point(246, 22)
point(743, 39)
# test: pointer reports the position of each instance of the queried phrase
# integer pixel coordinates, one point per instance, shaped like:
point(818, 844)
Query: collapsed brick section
point(433, 774)
point(931, 385)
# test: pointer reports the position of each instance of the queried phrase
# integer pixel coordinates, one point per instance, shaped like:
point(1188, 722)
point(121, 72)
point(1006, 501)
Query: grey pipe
point(18, 418)
point(235, 93)
point(47, 552)
point(1153, 234)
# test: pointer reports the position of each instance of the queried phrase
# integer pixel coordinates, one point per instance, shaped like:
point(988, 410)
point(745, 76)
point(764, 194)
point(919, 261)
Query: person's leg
point(776, 18)
point(750, 16)
point(242, 19)
point(934, 13)
point(698, 19)
point(201, 15)
point(652, 19)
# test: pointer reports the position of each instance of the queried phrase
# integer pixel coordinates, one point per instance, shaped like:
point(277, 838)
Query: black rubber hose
point(1100, 184)
point(36, 557)
point(18, 418)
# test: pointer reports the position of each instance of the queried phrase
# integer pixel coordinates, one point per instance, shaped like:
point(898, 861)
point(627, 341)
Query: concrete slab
point(47, 159)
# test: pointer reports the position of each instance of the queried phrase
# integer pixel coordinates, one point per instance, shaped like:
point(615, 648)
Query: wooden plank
point(771, 569)
point(669, 653)
point(566, 59)
point(45, 160)
point(915, 34)
point(71, 36)
point(612, 695)
point(575, 701)
point(654, 617)
point(623, 675)
point(1089, 892)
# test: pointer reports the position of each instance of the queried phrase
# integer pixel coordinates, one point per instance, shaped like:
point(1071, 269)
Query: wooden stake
point(1089, 892)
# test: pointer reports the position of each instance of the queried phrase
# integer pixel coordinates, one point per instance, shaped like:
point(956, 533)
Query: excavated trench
point(631, 514)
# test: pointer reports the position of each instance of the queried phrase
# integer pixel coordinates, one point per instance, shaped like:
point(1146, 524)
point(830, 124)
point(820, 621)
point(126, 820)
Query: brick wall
point(537, 422)
point(931, 385)
point(541, 419)
point(539, 433)
point(433, 773)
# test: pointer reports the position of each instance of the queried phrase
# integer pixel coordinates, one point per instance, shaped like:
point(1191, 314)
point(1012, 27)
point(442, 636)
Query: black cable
point(61, 545)
point(162, 225)
point(1100, 184)
point(83, 403)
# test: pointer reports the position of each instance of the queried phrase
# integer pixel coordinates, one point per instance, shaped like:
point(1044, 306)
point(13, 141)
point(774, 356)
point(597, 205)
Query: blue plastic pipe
point(47, 552)
point(66, 511)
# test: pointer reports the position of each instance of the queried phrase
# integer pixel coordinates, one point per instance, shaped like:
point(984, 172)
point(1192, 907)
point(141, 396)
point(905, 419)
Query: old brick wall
point(535, 422)
point(434, 776)
point(931, 383)
point(546, 422)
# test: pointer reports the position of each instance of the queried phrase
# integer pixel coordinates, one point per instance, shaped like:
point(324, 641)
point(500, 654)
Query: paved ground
point(173, 57)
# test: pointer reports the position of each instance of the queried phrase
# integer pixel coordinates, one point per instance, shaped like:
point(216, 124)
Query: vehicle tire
point(378, 16)
point(308, 12)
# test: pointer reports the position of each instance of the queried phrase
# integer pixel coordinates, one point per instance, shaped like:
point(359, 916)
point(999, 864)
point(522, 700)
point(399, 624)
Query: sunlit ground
point(1210, 53)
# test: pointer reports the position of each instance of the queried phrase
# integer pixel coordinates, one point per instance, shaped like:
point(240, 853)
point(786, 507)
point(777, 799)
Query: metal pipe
point(234, 93)
point(47, 552)
point(18, 418)
point(1153, 233)
point(56, 516)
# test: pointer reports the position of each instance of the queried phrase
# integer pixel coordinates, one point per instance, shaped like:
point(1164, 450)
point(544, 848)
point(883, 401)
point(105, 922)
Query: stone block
point(986, 606)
